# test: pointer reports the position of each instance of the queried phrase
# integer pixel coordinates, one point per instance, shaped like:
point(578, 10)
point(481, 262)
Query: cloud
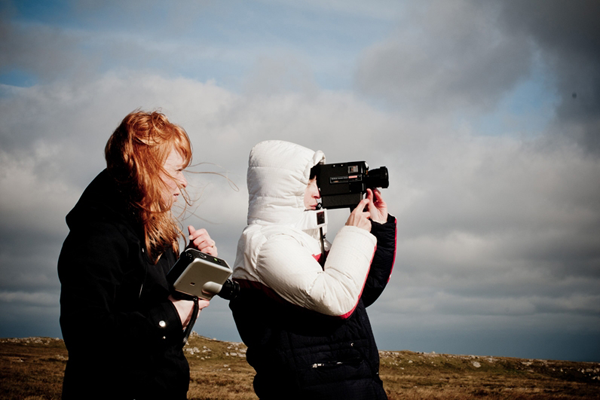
point(52, 141)
point(569, 39)
point(498, 217)
point(449, 56)
point(53, 137)
point(445, 56)
point(482, 219)
point(496, 220)
point(490, 225)
point(41, 51)
point(37, 299)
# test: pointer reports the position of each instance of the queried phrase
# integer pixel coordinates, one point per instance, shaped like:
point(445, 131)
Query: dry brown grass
point(409, 375)
point(32, 369)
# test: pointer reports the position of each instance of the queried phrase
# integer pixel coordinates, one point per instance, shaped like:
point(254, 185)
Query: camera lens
point(230, 290)
point(377, 178)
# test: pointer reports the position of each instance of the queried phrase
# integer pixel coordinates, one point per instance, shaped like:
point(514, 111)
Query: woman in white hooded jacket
point(303, 317)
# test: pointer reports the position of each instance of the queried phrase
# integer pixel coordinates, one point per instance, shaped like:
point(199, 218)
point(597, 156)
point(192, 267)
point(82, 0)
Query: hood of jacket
point(101, 200)
point(278, 174)
point(280, 250)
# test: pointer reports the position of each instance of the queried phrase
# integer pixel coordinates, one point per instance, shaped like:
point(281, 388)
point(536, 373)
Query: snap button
point(162, 324)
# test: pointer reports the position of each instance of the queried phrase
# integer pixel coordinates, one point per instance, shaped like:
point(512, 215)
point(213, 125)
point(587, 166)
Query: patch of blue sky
point(525, 111)
point(17, 77)
point(228, 38)
point(44, 11)
point(327, 43)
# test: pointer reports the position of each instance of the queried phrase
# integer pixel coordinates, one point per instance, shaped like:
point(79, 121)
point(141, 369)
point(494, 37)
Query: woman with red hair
point(122, 328)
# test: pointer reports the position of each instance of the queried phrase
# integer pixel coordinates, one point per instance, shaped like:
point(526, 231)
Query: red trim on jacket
point(247, 284)
point(395, 247)
point(349, 313)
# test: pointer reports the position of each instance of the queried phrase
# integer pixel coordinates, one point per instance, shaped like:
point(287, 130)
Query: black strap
point(188, 330)
point(322, 260)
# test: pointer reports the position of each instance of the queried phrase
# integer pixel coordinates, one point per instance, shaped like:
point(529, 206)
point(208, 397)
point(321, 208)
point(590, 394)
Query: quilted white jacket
point(279, 248)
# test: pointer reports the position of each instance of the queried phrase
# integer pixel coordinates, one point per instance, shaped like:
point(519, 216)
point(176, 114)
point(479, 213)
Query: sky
point(487, 115)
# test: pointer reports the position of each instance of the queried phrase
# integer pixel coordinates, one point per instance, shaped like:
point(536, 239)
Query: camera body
point(201, 275)
point(343, 185)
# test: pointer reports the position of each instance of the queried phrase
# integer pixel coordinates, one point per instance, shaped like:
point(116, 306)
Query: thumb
point(191, 229)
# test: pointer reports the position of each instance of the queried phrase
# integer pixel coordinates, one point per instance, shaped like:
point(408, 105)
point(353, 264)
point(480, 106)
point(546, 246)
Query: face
point(175, 179)
point(311, 195)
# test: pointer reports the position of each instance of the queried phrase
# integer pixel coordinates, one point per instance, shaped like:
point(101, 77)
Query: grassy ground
point(31, 369)
point(409, 375)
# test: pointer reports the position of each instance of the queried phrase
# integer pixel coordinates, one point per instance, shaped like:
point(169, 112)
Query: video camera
point(343, 185)
point(201, 275)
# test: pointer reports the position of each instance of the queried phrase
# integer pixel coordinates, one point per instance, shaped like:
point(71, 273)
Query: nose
point(316, 194)
point(183, 182)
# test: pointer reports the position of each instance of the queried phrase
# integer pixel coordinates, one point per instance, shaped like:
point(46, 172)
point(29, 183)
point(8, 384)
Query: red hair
point(135, 156)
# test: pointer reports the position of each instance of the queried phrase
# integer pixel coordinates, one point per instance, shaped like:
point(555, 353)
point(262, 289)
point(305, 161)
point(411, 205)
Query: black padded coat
point(123, 335)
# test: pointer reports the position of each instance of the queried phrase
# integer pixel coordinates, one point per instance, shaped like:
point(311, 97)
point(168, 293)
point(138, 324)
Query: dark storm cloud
point(466, 55)
point(568, 35)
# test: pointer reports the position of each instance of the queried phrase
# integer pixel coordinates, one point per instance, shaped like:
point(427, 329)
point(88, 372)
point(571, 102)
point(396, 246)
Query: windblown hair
point(135, 156)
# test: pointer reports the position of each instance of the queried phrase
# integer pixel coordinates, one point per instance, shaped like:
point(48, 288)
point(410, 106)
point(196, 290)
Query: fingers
point(203, 304)
point(184, 310)
point(377, 207)
point(359, 217)
point(361, 206)
point(186, 307)
point(375, 196)
point(211, 250)
point(371, 205)
point(200, 239)
point(196, 234)
point(378, 197)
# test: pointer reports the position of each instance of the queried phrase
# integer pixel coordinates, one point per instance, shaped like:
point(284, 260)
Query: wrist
point(382, 219)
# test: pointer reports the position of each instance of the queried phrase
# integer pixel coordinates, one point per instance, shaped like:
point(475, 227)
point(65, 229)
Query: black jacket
point(123, 335)
point(301, 354)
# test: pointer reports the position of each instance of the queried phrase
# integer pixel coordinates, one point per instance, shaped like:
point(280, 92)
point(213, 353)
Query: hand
point(185, 307)
point(200, 239)
point(377, 206)
point(359, 217)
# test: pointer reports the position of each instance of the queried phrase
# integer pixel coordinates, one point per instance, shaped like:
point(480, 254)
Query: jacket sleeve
point(287, 268)
point(383, 260)
point(100, 305)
